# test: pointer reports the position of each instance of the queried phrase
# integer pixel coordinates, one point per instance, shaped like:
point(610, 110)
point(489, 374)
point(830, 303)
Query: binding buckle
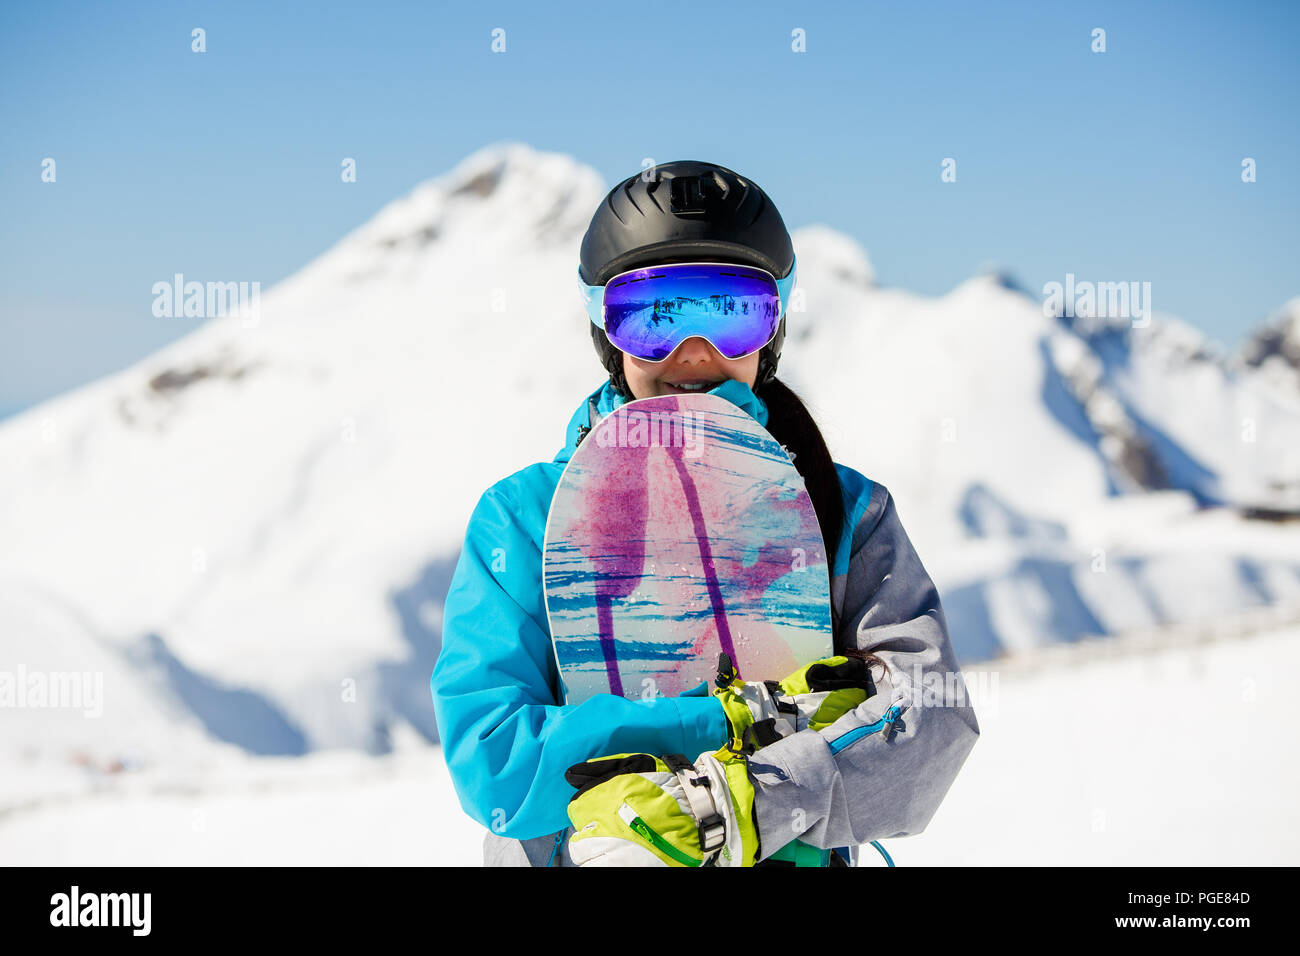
point(713, 833)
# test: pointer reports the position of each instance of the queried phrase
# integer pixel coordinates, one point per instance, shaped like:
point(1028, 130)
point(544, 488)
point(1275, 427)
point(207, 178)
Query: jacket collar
point(606, 398)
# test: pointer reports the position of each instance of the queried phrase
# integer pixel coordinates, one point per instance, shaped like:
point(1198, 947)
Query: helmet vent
point(691, 195)
point(627, 191)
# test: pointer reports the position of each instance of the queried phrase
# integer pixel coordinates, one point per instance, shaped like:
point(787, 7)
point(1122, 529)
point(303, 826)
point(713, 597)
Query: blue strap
point(555, 848)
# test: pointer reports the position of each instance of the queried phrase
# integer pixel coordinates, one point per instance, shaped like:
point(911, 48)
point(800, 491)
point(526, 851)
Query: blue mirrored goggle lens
point(649, 312)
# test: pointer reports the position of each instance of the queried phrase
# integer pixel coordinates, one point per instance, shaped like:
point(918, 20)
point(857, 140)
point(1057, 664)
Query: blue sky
point(1116, 166)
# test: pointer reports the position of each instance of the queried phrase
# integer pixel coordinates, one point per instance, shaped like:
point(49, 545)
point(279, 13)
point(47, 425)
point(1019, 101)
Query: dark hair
point(791, 424)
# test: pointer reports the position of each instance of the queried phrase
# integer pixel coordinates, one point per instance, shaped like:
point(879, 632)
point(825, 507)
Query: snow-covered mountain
point(1274, 348)
point(250, 532)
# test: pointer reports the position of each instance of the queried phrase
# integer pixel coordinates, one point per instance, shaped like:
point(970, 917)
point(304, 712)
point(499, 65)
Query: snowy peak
point(1180, 412)
point(826, 251)
point(1275, 347)
point(502, 199)
point(538, 196)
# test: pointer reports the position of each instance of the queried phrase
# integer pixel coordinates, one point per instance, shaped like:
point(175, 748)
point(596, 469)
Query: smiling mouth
point(700, 385)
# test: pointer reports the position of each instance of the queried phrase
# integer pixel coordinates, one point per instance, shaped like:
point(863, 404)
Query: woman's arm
point(859, 779)
point(495, 687)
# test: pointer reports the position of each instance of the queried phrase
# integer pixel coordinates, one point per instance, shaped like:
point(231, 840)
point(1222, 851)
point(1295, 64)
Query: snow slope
point(1140, 758)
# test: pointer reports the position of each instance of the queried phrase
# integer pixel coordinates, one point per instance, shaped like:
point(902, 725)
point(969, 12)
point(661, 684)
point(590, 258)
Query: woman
point(549, 781)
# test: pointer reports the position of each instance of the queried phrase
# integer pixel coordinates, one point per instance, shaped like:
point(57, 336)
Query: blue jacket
point(508, 740)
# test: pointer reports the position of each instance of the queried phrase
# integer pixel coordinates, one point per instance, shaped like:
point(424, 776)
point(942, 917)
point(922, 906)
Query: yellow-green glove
point(641, 810)
point(813, 697)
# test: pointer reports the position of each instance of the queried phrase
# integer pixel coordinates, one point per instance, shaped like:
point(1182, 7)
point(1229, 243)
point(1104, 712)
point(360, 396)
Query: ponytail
point(790, 423)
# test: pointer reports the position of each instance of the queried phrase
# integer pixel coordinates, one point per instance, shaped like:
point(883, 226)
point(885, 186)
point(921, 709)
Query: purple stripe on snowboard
point(706, 556)
point(605, 627)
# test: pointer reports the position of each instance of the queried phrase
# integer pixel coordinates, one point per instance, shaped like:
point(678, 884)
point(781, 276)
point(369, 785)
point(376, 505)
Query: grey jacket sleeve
point(861, 779)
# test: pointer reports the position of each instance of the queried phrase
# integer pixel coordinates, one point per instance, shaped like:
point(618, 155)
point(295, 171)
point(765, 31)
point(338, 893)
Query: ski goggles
point(649, 312)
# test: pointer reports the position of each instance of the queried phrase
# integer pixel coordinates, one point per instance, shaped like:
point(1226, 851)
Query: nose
point(696, 350)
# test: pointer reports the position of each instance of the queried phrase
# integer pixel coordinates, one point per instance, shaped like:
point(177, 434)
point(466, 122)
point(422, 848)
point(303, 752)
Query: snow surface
point(1174, 756)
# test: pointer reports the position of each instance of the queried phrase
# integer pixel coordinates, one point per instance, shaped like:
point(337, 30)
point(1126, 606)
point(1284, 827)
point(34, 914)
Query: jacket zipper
point(884, 724)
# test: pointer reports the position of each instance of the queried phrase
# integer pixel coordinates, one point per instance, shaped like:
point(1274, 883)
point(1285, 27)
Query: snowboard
point(680, 529)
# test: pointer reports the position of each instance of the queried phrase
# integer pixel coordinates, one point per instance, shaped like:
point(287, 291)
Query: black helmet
point(686, 211)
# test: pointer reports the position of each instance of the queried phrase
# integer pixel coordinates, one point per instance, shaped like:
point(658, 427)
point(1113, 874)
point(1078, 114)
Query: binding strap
point(699, 796)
